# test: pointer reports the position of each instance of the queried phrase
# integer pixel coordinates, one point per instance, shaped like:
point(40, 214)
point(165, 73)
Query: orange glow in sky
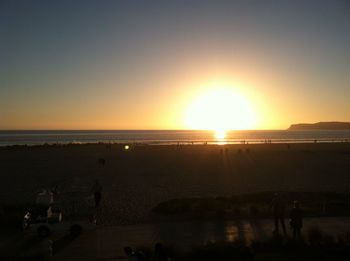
point(217, 65)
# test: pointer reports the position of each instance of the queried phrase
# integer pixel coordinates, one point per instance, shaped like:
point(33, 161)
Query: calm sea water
point(168, 137)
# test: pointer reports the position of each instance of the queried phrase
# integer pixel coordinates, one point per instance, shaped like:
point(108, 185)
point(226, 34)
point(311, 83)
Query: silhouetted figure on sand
point(159, 253)
point(296, 220)
point(97, 192)
point(278, 208)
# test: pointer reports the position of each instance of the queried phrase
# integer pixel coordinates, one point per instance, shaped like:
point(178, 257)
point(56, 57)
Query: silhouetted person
point(159, 253)
point(278, 208)
point(97, 192)
point(296, 220)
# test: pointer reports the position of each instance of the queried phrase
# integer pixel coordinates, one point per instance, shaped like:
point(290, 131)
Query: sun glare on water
point(220, 110)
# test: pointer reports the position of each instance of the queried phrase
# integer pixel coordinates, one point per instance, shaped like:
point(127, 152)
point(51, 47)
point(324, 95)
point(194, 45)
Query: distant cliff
point(334, 125)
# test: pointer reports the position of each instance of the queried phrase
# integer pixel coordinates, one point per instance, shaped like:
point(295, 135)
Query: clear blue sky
point(138, 64)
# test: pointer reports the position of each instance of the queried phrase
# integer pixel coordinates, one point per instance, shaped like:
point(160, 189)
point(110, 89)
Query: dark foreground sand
point(134, 181)
point(107, 243)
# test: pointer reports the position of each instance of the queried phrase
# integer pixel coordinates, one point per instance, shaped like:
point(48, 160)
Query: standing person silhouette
point(296, 220)
point(278, 208)
point(97, 192)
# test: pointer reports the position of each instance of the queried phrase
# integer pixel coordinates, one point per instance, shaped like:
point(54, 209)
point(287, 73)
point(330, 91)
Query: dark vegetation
point(315, 246)
point(256, 205)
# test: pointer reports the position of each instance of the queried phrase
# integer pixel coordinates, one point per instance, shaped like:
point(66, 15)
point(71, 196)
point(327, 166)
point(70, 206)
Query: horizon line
point(135, 130)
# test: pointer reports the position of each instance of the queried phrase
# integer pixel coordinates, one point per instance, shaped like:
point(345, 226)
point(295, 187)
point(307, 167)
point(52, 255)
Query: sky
point(142, 64)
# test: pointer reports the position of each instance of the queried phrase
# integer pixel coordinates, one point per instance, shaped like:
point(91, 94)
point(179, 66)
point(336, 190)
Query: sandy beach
point(136, 180)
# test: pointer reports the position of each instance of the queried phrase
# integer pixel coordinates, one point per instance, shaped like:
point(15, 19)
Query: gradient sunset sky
point(141, 64)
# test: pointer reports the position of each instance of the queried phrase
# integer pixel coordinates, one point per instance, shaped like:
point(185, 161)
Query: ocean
point(150, 137)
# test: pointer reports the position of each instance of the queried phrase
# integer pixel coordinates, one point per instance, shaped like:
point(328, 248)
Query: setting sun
point(220, 109)
point(220, 134)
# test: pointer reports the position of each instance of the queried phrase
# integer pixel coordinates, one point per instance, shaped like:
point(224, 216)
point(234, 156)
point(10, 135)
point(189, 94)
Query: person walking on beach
point(278, 208)
point(296, 220)
point(97, 192)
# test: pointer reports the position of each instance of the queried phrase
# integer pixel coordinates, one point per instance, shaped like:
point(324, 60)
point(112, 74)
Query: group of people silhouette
point(295, 216)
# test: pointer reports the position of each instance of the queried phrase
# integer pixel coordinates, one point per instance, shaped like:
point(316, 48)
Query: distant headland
point(332, 125)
